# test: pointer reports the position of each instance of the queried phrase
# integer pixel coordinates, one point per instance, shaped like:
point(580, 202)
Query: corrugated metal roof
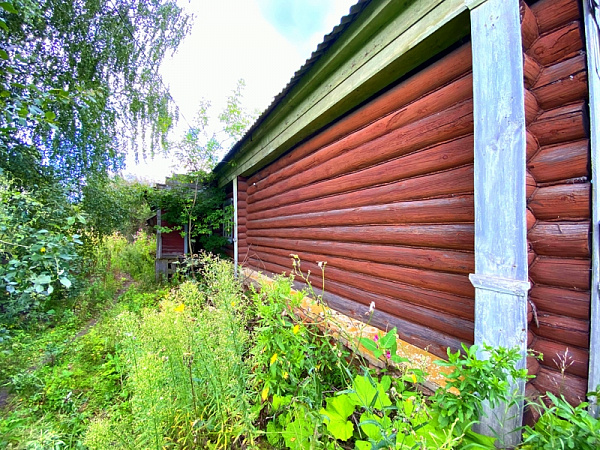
point(328, 41)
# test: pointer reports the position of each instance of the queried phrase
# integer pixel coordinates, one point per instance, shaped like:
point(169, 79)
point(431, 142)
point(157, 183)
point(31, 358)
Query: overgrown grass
point(201, 364)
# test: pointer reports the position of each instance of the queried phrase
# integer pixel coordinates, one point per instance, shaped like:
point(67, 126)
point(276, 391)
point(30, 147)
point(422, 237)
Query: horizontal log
point(242, 236)
point(566, 239)
point(446, 210)
point(355, 303)
point(562, 83)
point(432, 340)
point(440, 157)
point(441, 184)
point(242, 213)
point(429, 79)
point(450, 236)
point(337, 159)
point(529, 26)
point(561, 202)
point(574, 388)
point(530, 184)
point(551, 14)
point(426, 279)
point(561, 162)
point(532, 109)
point(532, 145)
point(531, 71)
point(242, 205)
point(569, 273)
point(241, 220)
point(530, 220)
point(560, 125)
point(562, 329)
point(557, 356)
point(565, 302)
point(559, 71)
point(242, 229)
point(558, 45)
point(424, 258)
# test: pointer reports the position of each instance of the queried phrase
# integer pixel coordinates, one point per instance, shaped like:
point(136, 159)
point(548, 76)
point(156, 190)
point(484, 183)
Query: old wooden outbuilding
point(440, 156)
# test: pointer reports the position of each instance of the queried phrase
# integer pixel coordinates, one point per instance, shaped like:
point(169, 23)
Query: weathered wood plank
point(451, 210)
point(439, 157)
point(561, 202)
point(500, 195)
point(561, 162)
point(568, 273)
point(592, 38)
point(532, 109)
point(440, 184)
point(450, 236)
point(532, 145)
point(566, 239)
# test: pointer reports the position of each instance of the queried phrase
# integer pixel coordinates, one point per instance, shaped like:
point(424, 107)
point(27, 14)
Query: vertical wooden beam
point(158, 235)
point(591, 14)
point(501, 278)
point(235, 225)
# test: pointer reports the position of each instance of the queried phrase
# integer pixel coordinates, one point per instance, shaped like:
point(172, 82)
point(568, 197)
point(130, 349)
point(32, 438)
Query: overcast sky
point(262, 41)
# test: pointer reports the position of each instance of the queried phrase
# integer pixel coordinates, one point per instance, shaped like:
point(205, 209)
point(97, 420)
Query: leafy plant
point(474, 381)
point(562, 426)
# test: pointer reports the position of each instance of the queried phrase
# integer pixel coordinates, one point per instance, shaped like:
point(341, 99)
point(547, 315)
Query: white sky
point(262, 41)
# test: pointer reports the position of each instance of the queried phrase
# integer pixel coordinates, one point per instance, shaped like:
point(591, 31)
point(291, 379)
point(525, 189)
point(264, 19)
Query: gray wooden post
point(501, 266)
point(591, 15)
point(235, 226)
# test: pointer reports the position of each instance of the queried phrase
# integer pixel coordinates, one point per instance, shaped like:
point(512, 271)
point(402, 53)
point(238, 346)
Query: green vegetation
point(202, 364)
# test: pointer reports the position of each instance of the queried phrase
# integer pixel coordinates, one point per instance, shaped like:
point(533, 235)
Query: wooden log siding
point(558, 162)
point(242, 196)
point(385, 196)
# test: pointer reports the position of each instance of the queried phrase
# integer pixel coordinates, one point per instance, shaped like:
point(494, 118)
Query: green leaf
point(50, 115)
point(363, 445)
point(3, 55)
point(3, 25)
point(369, 344)
point(65, 282)
point(50, 289)
point(8, 7)
point(42, 279)
point(336, 414)
point(364, 394)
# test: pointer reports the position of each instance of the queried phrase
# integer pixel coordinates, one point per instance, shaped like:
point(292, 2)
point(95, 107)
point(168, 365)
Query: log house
point(440, 156)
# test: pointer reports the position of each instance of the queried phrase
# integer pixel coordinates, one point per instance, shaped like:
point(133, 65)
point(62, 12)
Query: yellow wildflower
point(285, 375)
point(413, 377)
point(296, 329)
point(43, 250)
point(180, 308)
point(265, 393)
point(233, 304)
point(273, 358)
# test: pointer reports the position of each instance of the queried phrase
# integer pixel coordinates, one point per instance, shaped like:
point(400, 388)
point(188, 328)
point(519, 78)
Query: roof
point(322, 48)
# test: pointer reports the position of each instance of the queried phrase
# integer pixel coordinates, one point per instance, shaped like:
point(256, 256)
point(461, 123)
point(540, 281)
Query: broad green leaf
point(372, 425)
point(65, 282)
point(336, 414)
point(363, 445)
point(50, 289)
point(364, 393)
point(50, 115)
point(42, 279)
point(3, 55)
point(369, 344)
